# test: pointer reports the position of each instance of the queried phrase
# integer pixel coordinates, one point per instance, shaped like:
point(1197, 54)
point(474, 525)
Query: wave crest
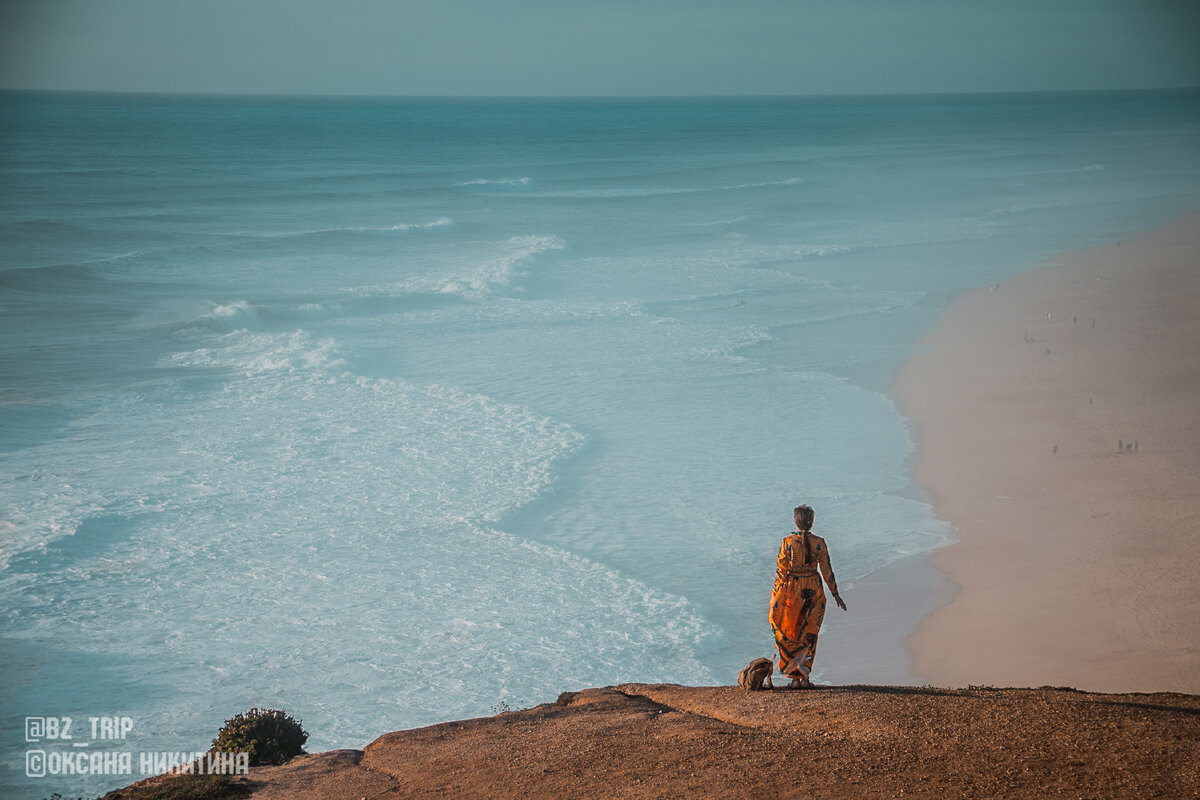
point(497, 185)
point(400, 227)
point(485, 278)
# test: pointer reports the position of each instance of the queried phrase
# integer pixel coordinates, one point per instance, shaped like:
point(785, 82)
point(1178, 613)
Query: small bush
point(269, 736)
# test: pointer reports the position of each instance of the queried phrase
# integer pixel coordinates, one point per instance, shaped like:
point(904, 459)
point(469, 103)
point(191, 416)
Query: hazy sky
point(598, 47)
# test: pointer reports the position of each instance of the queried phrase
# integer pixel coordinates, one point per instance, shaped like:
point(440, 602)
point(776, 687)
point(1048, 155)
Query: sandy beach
point(1057, 417)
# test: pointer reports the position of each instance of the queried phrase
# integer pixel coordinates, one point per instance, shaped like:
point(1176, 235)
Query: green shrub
point(269, 736)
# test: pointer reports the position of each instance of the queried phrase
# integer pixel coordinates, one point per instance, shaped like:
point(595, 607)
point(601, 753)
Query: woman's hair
point(804, 521)
point(804, 517)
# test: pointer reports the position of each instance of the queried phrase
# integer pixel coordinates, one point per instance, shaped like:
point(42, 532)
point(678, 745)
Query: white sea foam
point(372, 548)
point(219, 317)
point(441, 222)
point(491, 267)
point(764, 184)
point(507, 183)
point(254, 353)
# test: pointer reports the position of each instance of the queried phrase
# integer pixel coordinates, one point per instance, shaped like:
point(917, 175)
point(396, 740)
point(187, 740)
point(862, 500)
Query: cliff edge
point(647, 741)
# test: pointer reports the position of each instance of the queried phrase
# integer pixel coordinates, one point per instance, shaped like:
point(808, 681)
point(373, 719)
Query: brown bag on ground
point(755, 674)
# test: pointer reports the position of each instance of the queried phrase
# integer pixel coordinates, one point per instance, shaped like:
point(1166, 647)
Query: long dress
point(798, 601)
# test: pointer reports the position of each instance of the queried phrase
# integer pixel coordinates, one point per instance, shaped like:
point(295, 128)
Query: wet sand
point(868, 643)
point(1057, 417)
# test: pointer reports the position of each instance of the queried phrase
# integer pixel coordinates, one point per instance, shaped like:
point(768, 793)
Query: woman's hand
point(840, 602)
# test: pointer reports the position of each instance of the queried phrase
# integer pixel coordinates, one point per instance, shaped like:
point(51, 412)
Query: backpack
point(755, 674)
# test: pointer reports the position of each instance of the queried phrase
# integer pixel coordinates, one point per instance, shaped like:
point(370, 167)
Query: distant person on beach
point(798, 599)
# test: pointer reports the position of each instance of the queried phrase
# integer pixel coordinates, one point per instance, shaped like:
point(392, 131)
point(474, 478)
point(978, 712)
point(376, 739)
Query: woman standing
point(798, 599)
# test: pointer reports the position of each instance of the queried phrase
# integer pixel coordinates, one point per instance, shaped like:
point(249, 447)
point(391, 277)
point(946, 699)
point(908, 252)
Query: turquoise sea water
point(388, 412)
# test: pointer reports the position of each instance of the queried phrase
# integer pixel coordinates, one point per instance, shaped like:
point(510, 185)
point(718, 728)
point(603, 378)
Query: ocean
point(388, 412)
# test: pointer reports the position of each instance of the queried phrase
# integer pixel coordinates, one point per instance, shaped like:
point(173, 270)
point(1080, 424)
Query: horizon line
point(745, 96)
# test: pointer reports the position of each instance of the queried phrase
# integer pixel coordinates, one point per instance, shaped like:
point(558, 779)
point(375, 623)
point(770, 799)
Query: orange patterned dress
point(798, 601)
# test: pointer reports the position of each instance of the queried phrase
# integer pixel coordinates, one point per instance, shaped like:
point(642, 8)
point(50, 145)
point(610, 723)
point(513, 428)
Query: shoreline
point(869, 646)
point(1076, 563)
